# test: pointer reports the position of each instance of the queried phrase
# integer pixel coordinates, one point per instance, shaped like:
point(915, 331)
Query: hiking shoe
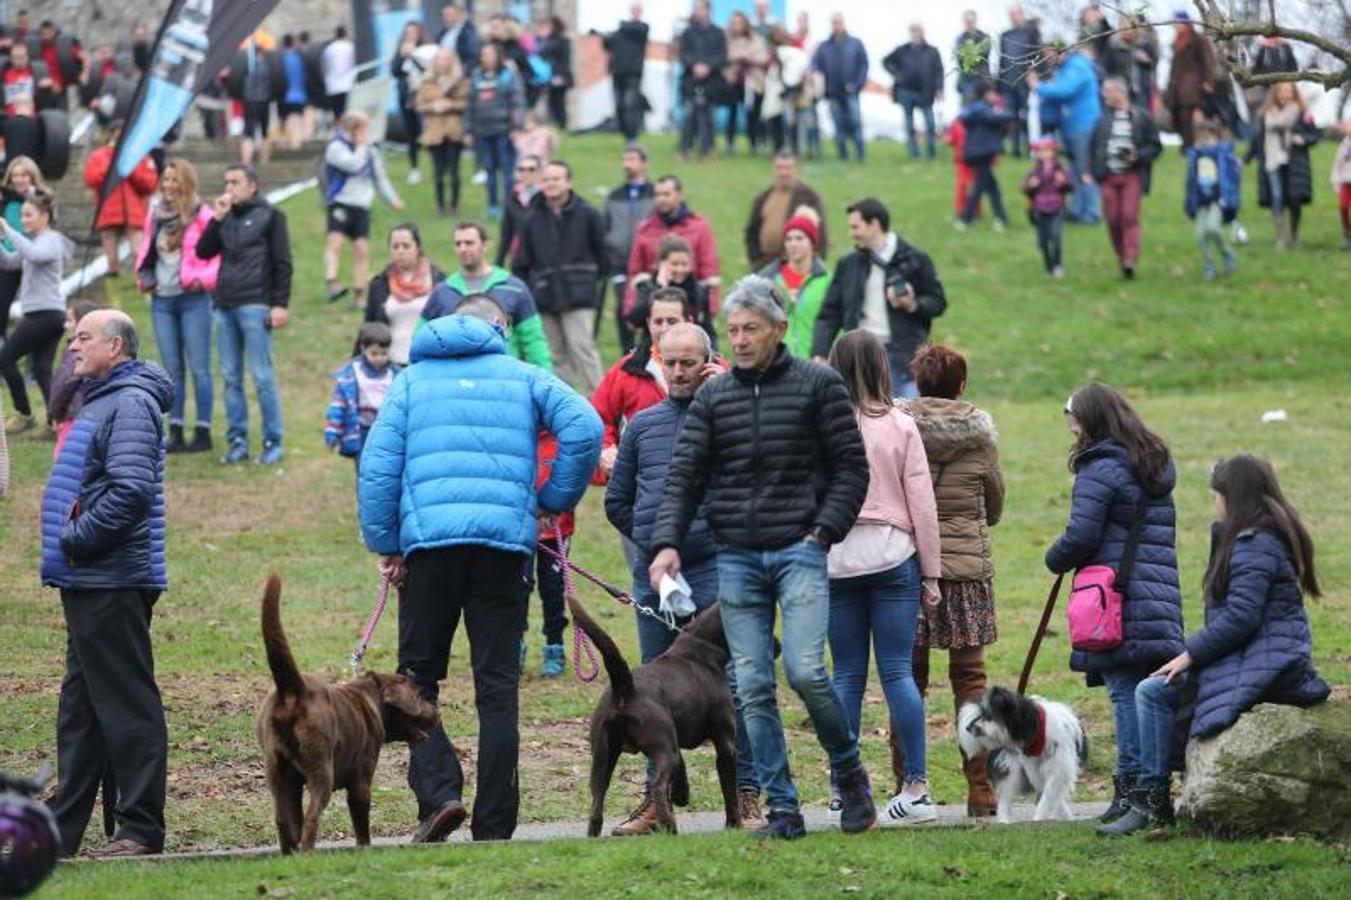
point(857, 812)
point(912, 810)
point(1122, 786)
point(437, 827)
point(238, 453)
point(415, 176)
point(748, 804)
point(642, 820)
point(999, 226)
point(553, 662)
point(19, 424)
point(1151, 807)
point(782, 826)
point(201, 440)
point(271, 455)
point(833, 810)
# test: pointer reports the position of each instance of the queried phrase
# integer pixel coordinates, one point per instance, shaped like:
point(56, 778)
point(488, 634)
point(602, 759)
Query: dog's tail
point(285, 675)
point(621, 677)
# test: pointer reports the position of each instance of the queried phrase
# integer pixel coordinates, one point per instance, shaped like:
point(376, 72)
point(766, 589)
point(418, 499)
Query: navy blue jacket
point(1107, 494)
point(103, 510)
point(1256, 646)
point(985, 126)
point(634, 493)
point(843, 62)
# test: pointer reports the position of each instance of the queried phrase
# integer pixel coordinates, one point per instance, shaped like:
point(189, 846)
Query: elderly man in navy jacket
point(103, 546)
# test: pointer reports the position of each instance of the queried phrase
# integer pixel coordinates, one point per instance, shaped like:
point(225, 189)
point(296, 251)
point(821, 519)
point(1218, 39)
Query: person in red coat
point(671, 216)
point(123, 212)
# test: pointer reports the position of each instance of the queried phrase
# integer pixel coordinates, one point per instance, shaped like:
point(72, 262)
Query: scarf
point(412, 286)
point(169, 234)
point(1278, 122)
point(676, 216)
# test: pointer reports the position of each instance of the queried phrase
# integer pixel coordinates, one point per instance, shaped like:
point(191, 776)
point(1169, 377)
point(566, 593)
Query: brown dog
point(679, 700)
point(327, 737)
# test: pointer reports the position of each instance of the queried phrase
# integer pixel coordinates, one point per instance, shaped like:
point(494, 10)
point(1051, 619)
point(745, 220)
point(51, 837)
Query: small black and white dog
point(1035, 745)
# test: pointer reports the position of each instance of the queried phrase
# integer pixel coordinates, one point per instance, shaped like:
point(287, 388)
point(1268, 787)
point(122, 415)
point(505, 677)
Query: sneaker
point(480, 177)
point(336, 291)
point(857, 812)
point(553, 662)
point(19, 424)
point(494, 213)
point(1240, 234)
point(1058, 272)
point(748, 804)
point(959, 224)
point(238, 453)
point(415, 176)
point(1128, 271)
point(437, 827)
point(833, 810)
point(999, 226)
point(782, 826)
point(271, 455)
point(912, 810)
point(642, 820)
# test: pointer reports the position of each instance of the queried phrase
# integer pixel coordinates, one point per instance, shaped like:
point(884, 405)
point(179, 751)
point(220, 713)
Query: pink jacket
point(193, 268)
point(900, 490)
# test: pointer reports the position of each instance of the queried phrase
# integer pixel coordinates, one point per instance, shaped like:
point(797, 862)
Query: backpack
point(332, 179)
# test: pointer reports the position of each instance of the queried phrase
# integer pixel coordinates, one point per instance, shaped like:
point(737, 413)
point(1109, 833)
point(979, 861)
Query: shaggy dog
point(1035, 745)
point(327, 737)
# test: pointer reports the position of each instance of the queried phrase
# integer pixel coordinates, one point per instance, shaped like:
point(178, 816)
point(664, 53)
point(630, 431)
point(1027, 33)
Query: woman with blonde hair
point(1285, 132)
point(180, 285)
point(22, 178)
point(441, 100)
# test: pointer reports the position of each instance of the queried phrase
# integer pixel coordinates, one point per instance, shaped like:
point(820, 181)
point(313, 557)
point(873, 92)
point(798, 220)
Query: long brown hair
point(862, 360)
point(1102, 412)
point(1297, 99)
point(1253, 499)
point(188, 197)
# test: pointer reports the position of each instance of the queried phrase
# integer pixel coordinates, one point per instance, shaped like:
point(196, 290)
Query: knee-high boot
point(966, 668)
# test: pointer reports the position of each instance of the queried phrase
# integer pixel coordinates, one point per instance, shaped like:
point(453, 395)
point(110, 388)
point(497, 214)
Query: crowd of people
point(824, 474)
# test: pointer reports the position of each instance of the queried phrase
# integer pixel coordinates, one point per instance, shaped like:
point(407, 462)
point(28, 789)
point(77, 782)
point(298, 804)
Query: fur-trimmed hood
point(951, 428)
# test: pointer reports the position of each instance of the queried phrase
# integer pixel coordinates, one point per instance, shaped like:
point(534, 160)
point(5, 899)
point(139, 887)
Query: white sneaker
point(480, 177)
point(414, 176)
point(833, 811)
point(912, 810)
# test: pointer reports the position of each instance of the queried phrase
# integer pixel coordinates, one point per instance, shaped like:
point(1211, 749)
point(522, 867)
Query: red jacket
point(695, 231)
point(547, 453)
point(125, 206)
point(626, 390)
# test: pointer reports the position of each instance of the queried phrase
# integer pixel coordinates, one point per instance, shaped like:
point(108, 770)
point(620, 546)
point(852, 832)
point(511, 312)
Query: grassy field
point(1202, 360)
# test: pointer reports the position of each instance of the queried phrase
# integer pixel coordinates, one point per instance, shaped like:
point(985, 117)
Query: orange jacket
point(125, 206)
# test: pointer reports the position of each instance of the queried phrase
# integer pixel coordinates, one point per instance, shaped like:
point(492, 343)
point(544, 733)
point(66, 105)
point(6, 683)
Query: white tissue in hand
point(676, 597)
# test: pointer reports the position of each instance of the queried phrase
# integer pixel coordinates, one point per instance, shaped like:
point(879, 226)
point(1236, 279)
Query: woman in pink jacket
point(180, 285)
point(883, 566)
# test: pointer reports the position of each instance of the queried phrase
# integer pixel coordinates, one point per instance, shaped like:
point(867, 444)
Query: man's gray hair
point(483, 307)
point(760, 295)
point(125, 329)
point(689, 331)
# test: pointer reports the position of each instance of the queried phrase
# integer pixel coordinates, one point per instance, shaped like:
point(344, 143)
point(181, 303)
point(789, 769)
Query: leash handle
point(580, 642)
point(359, 653)
point(1041, 633)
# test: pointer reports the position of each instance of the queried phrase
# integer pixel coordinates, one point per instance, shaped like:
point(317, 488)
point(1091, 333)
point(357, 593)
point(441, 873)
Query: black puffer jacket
point(778, 454)
point(255, 250)
point(561, 257)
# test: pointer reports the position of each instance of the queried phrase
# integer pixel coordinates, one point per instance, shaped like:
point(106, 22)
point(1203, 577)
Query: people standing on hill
point(986, 122)
point(917, 72)
point(399, 294)
point(842, 62)
point(1125, 145)
point(441, 100)
point(1122, 517)
point(1281, 140)
point(408, 70)
point(496, 108)
point(1019, 50)
point(180, 284)
point(702, 48)
point(1074, 89)
point(1214, 175)
point(1046, 186)
point(774, 206)
point(355, 172)
point(802, 276)
point(625, 208)
point(122, 212)
point(971, 55)
point(627, 46)
point(1191, 76)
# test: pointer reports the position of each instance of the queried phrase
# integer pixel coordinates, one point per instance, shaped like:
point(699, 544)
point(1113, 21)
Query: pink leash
point(359, 653)
point(580, 642)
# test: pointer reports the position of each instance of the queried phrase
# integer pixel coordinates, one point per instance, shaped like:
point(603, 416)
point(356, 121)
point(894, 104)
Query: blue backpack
point(332, 179)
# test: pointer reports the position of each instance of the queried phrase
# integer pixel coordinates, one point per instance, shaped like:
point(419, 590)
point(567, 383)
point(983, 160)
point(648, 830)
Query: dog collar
point(1037, 745)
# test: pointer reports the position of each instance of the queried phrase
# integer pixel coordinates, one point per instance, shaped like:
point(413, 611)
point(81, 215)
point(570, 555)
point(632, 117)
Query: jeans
point(1121, 684)
point(848, 125)
point(885, 608)
point(902, 380)
point(1276, 185)
point(1121, 195)
point(1015, 101)
point(37, 336)
point(1086, 206)
point(654, 639)
point(243, 334)
point(1210, 235)
point(751, 583)
point(1156, 704)
point(493, 154)
point(552, 590)
point(1048, 238)
point(735, 112)
point(987, 185)
point(183, 328)
point(696, 123)
point(911, 101)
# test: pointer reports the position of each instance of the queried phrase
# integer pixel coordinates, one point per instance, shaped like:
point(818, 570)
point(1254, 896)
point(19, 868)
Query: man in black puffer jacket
point(775, 446)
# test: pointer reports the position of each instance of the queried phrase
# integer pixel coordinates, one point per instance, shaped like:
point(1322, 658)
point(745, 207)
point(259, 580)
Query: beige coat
point(442, 109)
point(959, 440)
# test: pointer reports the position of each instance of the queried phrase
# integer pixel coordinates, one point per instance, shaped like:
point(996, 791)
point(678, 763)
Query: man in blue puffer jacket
point(447, 490)
point(103, 546)
point(1075, 90)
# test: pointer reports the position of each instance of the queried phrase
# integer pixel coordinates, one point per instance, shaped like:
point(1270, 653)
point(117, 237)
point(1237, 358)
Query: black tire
point(55, 141)
point(23, 137)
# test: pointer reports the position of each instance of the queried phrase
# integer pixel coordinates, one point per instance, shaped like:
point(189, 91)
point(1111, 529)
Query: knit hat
point(806, 226)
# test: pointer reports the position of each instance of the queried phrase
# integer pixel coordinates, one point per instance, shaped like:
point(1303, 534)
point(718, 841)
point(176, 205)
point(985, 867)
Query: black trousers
point(985, 184)
point(558, 106)
point(552, 592)
point(446, 165)
point(629, 105)
point(9, 289)
point(37, 336)
point(110, 718)
point(489, 588)
point(412, 130)
point(1048, 238)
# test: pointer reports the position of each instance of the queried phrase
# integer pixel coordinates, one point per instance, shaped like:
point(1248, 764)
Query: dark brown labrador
point(327, 737)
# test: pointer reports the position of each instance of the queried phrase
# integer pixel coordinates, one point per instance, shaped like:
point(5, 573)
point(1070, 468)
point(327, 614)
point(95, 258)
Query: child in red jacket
point(955, 137)
point(124, 209)
point(549, 572)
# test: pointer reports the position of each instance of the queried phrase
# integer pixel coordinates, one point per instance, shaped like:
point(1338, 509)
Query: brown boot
point(642, 820)
point(966, 668)
point(749, 803)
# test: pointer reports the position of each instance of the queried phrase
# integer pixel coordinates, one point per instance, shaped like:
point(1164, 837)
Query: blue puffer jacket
point(985, 127)
point(1228, 174)
point(451, 459)
point(634, 493)
point(103, 510)
point(1107, 494)
point(1075, 89)
point(1256, 646)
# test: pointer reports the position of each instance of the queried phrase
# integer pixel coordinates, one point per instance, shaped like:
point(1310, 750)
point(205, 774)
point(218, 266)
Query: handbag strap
point(1123, 572)
point(1040, 633)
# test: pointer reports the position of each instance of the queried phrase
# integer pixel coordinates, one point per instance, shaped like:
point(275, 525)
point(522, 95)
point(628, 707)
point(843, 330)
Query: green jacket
point(802, 312)
point(525, 340)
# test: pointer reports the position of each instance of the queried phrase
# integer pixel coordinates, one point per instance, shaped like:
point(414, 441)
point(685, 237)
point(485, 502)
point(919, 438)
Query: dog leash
point(360, 652)
point(580, 642)
point(1041, 632)
point(622, 596)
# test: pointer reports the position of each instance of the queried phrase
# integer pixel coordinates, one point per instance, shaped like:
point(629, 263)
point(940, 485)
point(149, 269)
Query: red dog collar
point(1037, 745)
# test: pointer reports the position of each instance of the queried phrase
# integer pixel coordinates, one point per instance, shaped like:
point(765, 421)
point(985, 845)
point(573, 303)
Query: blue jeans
point(243, 333)
point(1086, 207)
point(654, 639)
point(911, 101)
point(183, 326)
point(1156, 703)
point(902, 380)
point(1276, 185)
point(848, 125)
point(493, 153)
point(1121, 686)
point(751, 583)
point(885, 607)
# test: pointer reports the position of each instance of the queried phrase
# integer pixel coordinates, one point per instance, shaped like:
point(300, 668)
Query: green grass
point(1202, 361)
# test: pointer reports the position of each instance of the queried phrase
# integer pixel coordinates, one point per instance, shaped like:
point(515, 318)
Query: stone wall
point(98, 21)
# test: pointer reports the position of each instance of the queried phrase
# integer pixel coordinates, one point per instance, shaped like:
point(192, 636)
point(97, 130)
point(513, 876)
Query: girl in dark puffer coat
point(1256, 646)
point(1120, 465)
